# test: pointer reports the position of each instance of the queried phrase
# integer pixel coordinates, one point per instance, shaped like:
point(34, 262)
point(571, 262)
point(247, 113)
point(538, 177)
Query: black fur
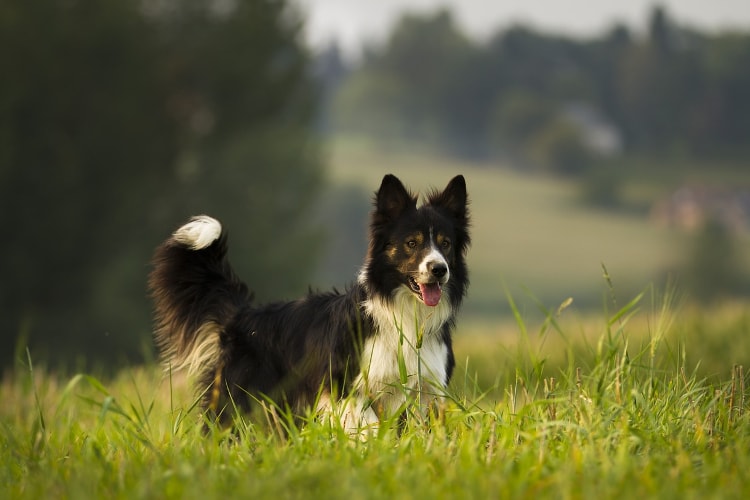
point(291, 351)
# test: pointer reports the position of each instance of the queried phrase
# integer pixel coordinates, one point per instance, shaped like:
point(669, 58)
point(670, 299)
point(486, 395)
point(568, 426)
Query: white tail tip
point(199, 233)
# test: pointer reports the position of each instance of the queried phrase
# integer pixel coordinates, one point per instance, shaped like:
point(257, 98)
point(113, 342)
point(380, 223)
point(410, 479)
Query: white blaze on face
point(430, 289)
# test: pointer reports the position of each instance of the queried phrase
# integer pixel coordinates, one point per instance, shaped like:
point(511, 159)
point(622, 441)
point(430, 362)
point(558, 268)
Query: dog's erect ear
point(393, 199)
point(453, 198)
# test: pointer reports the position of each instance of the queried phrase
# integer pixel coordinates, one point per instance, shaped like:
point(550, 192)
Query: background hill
point(533, 235)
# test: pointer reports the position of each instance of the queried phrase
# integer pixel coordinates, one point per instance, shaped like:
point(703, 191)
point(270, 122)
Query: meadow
point(639, 393)
point(607, 407)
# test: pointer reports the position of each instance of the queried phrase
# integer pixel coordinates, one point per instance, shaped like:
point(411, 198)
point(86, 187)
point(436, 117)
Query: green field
point(609, 407)
point(627, 391)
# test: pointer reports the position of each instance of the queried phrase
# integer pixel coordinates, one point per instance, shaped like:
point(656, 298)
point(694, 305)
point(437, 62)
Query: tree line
point(537, 98)
point(120, 119)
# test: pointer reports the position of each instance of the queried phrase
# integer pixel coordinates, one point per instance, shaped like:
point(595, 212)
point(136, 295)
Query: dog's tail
point(196, 294)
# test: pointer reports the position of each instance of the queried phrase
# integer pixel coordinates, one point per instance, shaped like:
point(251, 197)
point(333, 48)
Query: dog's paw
point(199, 233)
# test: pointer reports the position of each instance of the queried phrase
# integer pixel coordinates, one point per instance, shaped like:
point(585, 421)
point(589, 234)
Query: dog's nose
point(438, 269)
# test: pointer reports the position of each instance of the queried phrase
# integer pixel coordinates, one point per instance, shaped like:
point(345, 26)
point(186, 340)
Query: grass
point(643, 397)
point(569, 414)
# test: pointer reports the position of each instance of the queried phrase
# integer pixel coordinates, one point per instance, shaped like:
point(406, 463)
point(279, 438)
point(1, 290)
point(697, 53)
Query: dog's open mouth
point(429, 293)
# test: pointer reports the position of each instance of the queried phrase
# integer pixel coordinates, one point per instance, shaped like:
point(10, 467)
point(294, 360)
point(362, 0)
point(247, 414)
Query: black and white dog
point(359, 355)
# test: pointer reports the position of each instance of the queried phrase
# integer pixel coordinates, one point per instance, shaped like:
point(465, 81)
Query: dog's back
point(241, 354)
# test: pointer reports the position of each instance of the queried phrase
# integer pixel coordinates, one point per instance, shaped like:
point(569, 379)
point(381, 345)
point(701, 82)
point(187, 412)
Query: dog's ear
point(453, 198)
point(393, 199)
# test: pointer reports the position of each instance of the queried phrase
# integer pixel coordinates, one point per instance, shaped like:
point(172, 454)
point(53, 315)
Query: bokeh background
point(606, 147)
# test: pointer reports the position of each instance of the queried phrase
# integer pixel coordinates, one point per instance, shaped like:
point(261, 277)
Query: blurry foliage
point(119, 120)
point(714, 268)
point(670, 93)
point(559, 148)
point(343, 211)
point(412, 90)
point(515, 119)
point(377, 97)
point(601, 188)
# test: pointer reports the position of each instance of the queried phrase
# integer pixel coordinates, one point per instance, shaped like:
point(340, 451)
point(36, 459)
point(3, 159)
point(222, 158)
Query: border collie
point(360, 355)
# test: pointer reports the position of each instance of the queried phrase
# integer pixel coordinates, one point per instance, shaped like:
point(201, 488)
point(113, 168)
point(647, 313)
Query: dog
point(359, 355)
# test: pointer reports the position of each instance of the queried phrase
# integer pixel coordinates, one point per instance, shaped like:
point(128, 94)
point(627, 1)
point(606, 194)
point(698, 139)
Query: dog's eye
point(446, 243)
point(411, 243)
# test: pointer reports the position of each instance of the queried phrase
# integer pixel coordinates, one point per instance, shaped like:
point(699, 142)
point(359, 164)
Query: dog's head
point(421, 249)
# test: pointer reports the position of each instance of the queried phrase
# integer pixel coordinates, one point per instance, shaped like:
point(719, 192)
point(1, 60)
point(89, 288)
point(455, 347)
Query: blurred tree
point(241, 88)
point(603, 70)
point(372, 103)
point(83, 142)
point(660, 30)
point(721, 120)
point(671, 93)
point(425, 53)
point(118, 120)
point(714, 269)
point(517, 117)
point(659, 84)
point(330, 70)
point(415, 77)
point(343, 211)
point(559, 148)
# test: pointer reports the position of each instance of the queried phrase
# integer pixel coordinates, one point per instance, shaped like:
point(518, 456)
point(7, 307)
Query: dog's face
point(422, 255)
point(421, 249)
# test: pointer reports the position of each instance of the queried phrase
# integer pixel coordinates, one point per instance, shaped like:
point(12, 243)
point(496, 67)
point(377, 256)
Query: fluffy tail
point(196, 294)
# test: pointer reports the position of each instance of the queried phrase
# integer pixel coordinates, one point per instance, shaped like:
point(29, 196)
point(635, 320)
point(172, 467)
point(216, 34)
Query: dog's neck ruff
point(406, 316)
point(407, 334)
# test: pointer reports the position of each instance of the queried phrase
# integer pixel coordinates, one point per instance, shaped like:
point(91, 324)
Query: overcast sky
point(351, 22)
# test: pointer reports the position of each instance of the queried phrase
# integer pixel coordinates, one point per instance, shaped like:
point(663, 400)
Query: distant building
point(691, 207)
point(598, 133)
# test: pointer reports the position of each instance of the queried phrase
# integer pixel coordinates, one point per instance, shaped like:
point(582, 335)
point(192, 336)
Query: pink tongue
point(430, 293)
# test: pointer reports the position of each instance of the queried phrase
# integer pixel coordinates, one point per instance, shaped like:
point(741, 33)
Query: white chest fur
point(406, 356)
